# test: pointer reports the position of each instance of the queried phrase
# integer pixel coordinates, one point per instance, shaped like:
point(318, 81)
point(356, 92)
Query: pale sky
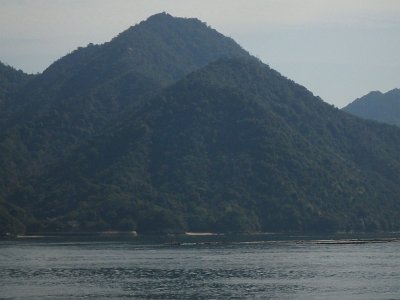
point(338, 49)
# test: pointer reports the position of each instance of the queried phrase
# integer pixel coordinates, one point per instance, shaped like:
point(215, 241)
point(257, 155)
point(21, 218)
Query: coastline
point(210, 238)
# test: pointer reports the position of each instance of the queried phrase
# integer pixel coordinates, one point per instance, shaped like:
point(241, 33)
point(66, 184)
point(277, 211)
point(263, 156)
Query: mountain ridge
point(220, 142)
point(378, 106)
point(87, 90)
point(240, 153)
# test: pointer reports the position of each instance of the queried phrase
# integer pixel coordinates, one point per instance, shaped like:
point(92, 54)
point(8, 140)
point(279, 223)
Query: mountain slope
point(10, 81)
point(121, 136)
point(92, 87)
point(232, 147)
point(382, 107)
point(163, 48)
point(159, 50)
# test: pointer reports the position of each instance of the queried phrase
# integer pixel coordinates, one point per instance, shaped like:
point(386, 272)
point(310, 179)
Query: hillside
point(170, 127)
point(10, 81)
point(382, 107)
point(232, 147)
point(92, 87)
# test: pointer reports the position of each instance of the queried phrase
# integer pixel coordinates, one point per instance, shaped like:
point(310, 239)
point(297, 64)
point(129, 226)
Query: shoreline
point(182, 237)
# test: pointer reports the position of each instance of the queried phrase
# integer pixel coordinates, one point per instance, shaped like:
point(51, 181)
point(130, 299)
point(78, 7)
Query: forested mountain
point(92, 87)
point(232, 147)
point(382, 107)
point(172, 127)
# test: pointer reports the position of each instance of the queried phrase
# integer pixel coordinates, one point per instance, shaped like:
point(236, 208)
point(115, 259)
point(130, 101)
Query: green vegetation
point(172, 127)
point(10, 81)
point(94, 87)
point(377, 106)
point(11, 84)
point(12, 219)
point(232, 147)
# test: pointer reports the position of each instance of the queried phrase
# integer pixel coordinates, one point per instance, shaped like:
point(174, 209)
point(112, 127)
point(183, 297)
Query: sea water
point(262, 269)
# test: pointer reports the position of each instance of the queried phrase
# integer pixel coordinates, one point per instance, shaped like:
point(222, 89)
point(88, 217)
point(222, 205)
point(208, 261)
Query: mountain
point(234, 146)
point(170, 127)
point(92, 87)
point(382, 107)
point(163, 48)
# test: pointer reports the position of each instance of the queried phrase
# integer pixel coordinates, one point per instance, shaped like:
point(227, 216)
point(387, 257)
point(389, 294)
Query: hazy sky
point(339, 49)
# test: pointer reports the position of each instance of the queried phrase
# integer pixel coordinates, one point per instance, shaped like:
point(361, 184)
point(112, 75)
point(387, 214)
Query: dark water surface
point(130, 268)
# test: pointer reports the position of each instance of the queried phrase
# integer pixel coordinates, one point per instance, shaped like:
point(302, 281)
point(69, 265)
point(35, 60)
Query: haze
point(339, 49)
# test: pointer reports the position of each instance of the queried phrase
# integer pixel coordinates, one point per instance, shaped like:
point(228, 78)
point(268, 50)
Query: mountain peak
point(172, 46)
point(394, 92)
point(159, 16)
point(374, 93)
point(163, 21)
point(378, 106)
point(163, 47)
point(165, 17)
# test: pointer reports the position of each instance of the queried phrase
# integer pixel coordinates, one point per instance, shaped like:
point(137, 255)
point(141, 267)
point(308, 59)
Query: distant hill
point(382, 107)
point(172, 127)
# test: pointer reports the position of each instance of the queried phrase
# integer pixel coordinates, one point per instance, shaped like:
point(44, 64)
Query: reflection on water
point(129, 269)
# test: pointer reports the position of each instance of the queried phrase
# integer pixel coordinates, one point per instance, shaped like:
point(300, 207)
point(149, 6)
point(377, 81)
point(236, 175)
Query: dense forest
point(11, 81)
point(89, 89)
point(172, 127)
point(382, 107)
